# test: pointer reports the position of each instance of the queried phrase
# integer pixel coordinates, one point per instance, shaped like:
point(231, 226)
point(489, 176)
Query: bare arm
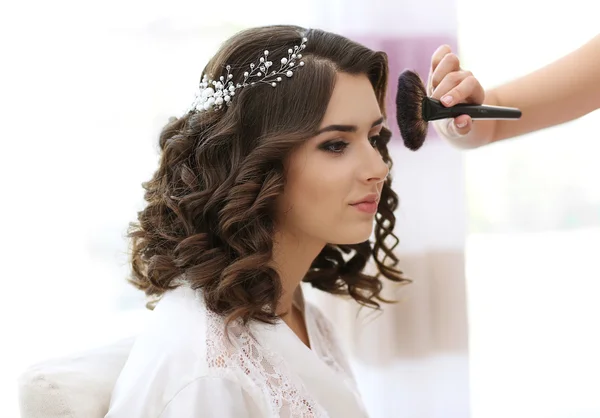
point(559, 92)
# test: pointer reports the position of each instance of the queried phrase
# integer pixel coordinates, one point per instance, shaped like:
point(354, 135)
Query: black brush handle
point(434, 110)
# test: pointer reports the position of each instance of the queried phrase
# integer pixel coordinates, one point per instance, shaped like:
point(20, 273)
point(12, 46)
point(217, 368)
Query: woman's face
point(334, 180)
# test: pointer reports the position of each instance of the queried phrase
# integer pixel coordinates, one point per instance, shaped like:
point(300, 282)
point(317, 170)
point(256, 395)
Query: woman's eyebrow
point(346, 128)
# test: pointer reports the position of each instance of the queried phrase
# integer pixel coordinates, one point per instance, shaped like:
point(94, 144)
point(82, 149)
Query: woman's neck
point(292, 258)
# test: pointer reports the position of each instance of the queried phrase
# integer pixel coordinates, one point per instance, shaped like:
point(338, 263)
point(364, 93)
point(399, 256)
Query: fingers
point(448, 65)
point(438, 55)
point(449, 83)
point(454, 130)
point(459, 85)
point(460, 125)
point(436, 58)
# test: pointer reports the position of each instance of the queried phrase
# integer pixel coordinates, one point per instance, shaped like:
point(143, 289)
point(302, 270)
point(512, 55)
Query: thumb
point(460, 126)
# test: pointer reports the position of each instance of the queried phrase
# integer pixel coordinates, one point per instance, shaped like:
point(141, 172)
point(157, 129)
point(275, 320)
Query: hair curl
point(209, 218)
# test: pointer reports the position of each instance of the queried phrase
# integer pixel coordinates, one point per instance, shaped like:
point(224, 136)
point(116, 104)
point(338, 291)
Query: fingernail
point(447, 100)
point(461, 124)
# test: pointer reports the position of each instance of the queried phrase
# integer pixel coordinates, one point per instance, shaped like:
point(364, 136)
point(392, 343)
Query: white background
point(86, 86)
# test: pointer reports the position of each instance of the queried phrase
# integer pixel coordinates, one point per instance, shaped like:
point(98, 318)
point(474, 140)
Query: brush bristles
point(409, 110)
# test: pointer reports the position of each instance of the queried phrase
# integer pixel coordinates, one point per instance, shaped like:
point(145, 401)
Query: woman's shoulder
point(183, 348)
point(177, 325)
point(167, 355)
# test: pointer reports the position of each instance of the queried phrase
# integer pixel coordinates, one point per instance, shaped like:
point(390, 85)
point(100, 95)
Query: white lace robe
point(183, 366)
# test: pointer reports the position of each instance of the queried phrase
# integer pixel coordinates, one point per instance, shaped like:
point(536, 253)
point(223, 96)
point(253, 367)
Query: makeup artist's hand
point(450, 84)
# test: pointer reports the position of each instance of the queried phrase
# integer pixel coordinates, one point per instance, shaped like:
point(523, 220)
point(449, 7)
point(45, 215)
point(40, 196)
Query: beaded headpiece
point(214, 94)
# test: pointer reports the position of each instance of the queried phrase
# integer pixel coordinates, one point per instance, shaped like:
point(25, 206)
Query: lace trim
point(239, 355)
point(329, 349)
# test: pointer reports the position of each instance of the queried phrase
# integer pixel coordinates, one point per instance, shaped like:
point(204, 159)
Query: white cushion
point(77, 386)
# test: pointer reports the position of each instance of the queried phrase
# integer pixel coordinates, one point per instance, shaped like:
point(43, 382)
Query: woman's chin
point(357, 236)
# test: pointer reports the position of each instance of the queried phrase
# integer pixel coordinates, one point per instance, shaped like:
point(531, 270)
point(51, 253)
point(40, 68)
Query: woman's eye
point(336, 147)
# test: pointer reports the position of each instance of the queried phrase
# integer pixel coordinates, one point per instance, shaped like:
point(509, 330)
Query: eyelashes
point(335, 146)
point(339, 146)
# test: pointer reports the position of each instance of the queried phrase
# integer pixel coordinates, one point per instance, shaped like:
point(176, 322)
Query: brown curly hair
point(209, 219)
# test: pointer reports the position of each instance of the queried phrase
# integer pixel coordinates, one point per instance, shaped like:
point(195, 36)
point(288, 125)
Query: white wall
point(532, 284)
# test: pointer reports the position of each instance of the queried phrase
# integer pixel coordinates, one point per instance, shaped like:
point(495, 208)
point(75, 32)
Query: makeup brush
point(414, 110)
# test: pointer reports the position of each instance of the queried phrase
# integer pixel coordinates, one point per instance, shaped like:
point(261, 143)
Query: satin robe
point(184, 366)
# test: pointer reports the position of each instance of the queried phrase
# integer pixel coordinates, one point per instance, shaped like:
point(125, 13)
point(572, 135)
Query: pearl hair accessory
point(213, 94)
